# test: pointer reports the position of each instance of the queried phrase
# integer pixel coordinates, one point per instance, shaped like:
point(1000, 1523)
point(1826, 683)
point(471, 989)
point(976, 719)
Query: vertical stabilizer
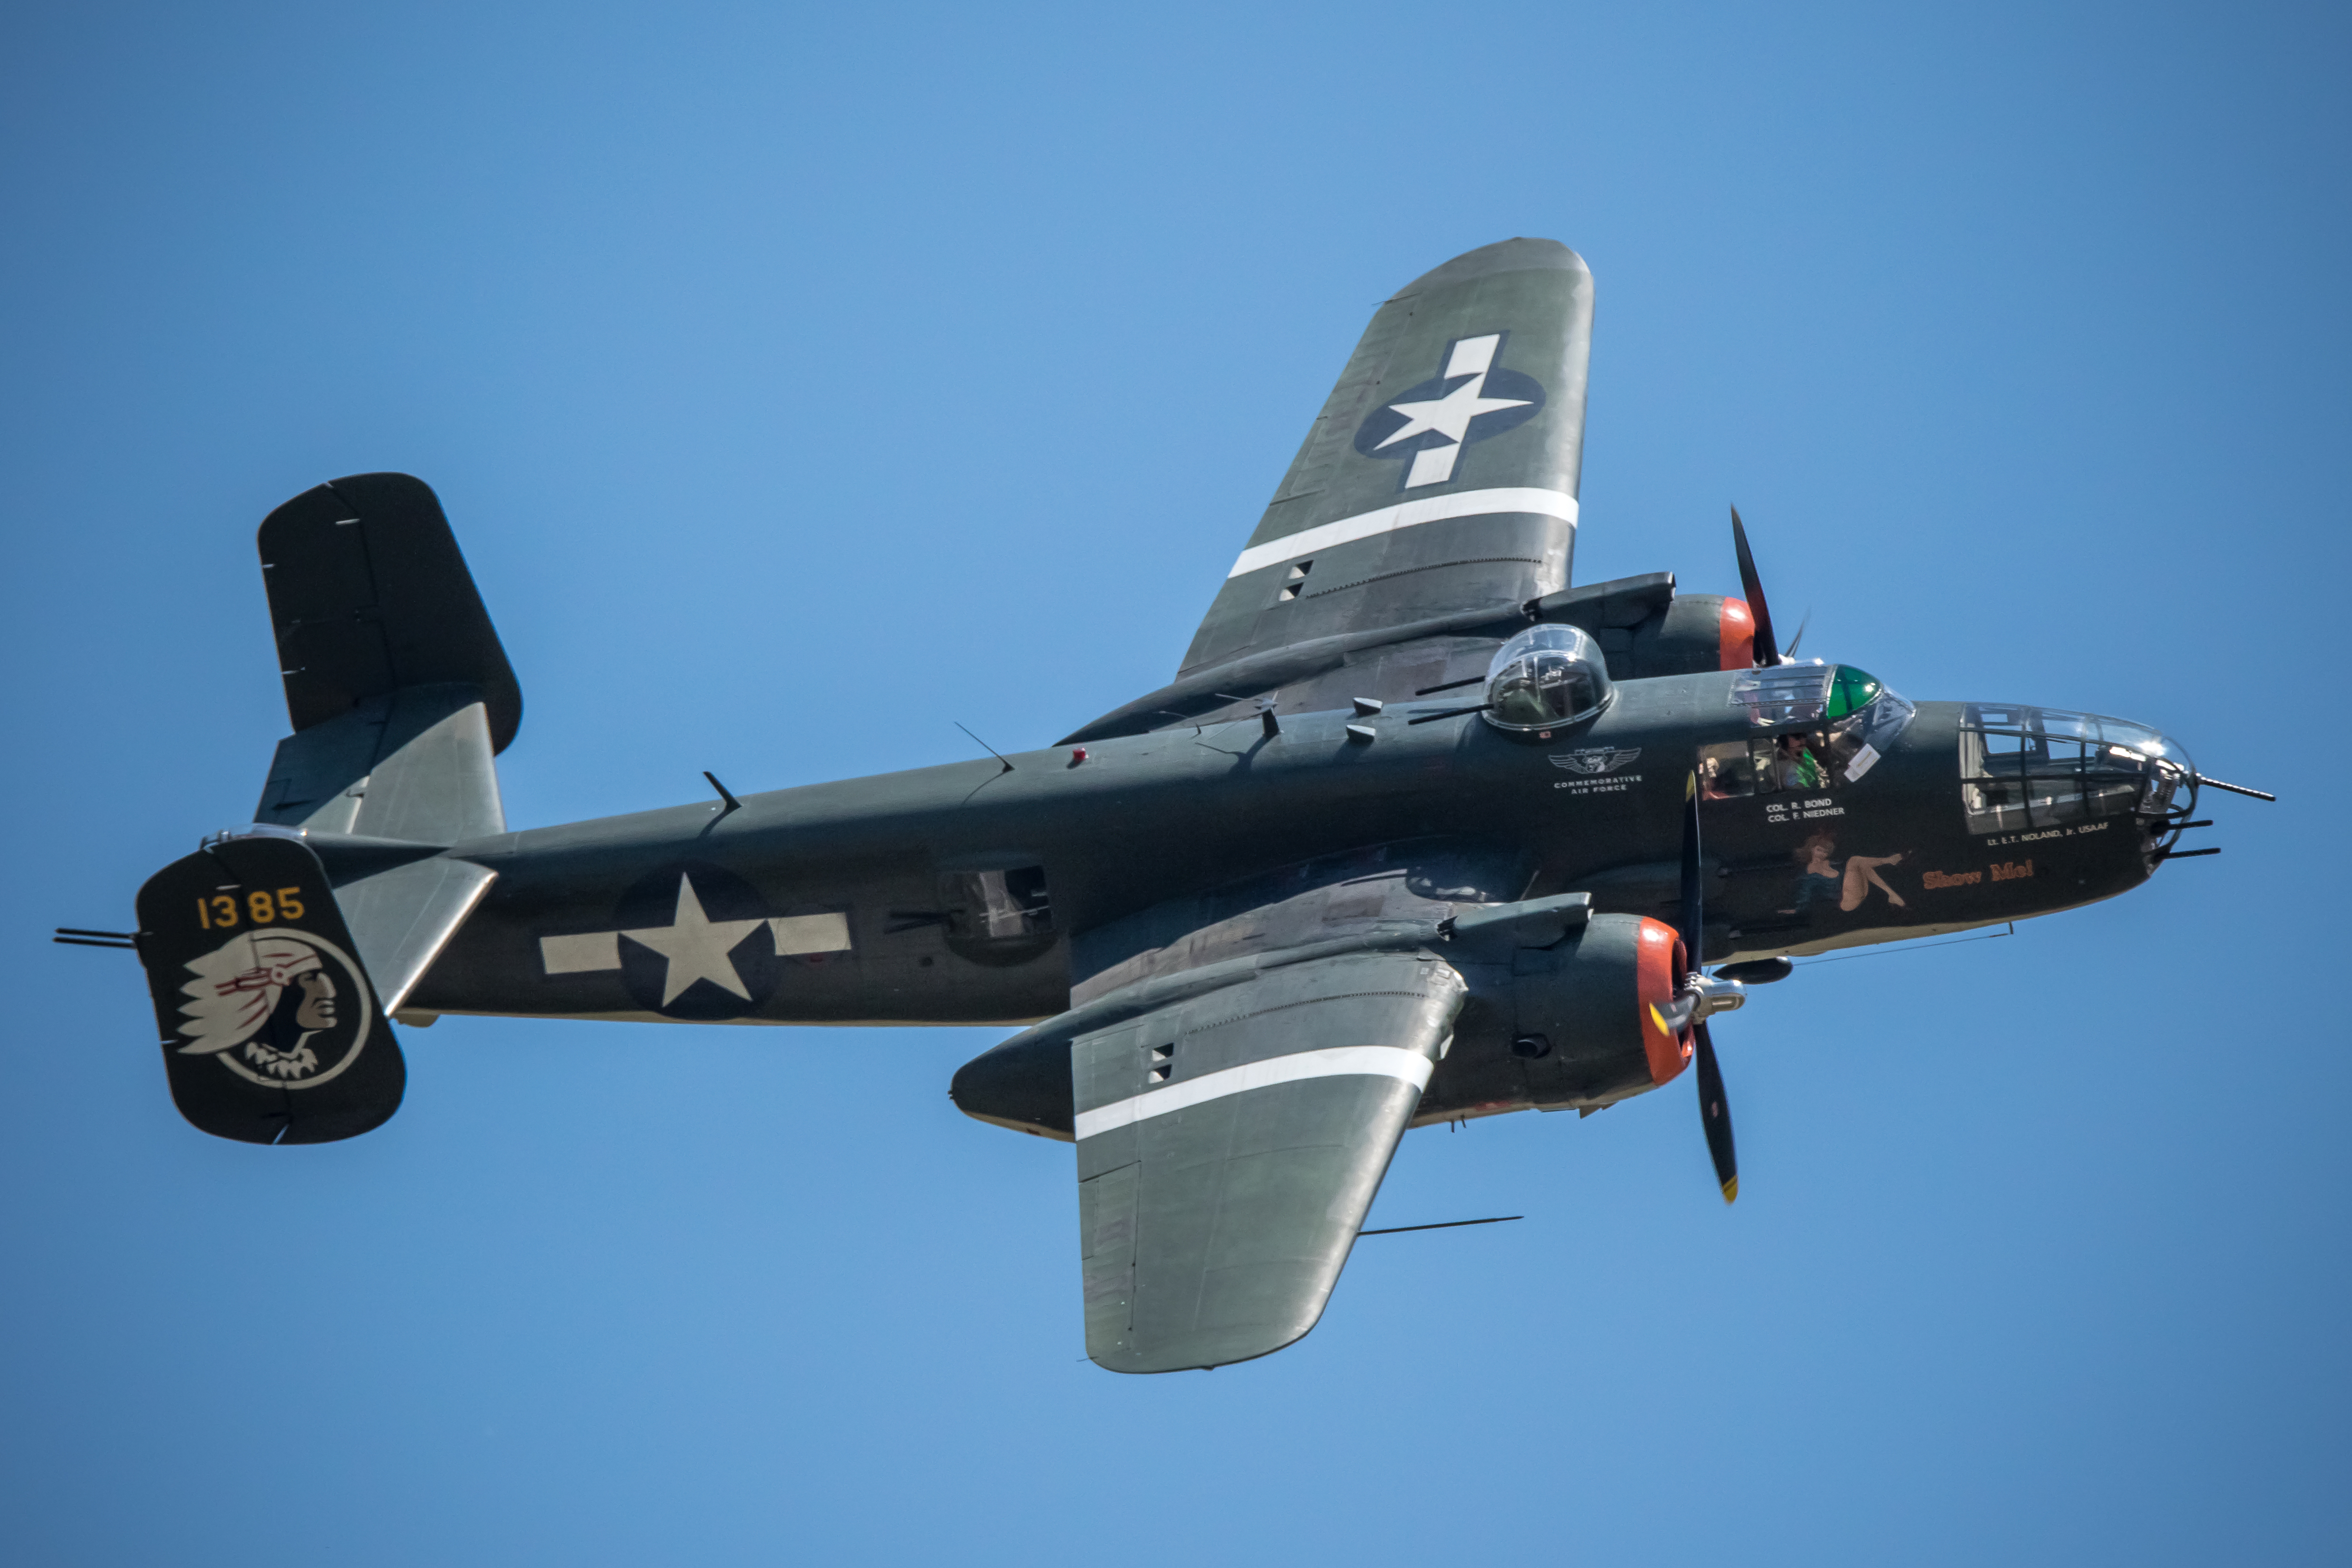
point(272, 1029)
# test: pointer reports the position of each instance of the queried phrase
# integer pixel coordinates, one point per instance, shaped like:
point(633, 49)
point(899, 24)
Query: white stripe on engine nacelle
point(1332, 1061)
point(1411, 514)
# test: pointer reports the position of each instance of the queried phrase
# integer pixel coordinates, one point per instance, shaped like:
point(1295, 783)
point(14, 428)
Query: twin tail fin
point(272, 1029)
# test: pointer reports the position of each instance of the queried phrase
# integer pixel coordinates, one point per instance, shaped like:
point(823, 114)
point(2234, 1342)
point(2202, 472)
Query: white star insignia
point(697, 946)
point(1449, 415)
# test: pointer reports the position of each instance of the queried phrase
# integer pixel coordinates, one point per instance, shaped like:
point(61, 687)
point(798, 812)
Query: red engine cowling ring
point(1660, 966)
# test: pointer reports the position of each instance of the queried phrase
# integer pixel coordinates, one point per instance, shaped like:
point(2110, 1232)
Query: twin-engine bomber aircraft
point(1419, 832)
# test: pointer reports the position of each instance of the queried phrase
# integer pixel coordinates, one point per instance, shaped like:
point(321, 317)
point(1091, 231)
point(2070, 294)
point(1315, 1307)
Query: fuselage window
point(998, 917)
point(2025, 768)
point(1767, 765)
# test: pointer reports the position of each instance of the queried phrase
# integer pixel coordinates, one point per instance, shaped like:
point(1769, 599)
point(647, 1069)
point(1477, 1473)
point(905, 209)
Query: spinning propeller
point(1701, 995)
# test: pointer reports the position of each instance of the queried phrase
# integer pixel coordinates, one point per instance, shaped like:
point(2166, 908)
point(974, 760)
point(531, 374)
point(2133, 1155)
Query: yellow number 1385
point(262, 906)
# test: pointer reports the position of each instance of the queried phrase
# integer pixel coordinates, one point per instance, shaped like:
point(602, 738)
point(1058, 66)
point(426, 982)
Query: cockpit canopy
point(1545, 677)
point(1815, 726)
point(1861, 714)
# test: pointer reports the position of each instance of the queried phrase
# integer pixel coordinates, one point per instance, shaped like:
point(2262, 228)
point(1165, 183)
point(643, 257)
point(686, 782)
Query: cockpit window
point(1847, 718)
point(1784, 693)
point(1545, 678)
point(2038, 767)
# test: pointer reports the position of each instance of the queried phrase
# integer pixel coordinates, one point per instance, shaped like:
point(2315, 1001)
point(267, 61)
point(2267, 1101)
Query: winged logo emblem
point(1593, 761)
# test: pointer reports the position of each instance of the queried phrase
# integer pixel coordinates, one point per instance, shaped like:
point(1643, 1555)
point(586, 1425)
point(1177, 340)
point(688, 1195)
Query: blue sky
point(756, 350)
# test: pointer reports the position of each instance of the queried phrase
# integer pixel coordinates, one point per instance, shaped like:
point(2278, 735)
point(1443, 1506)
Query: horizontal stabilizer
point(415, 764)
point(400, 693)
point(369, 593)
point(272, 1032)
point(402, 918)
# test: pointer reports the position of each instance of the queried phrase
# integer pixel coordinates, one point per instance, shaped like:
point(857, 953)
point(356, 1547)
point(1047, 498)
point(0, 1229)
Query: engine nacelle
point(1585, 1011)
point(1646, 628)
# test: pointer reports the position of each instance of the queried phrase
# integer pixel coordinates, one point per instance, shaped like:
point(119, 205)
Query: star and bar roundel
point(695, 941)
point(1468, 400)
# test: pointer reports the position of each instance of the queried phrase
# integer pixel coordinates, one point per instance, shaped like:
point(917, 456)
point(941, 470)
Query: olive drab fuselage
point(954, 890)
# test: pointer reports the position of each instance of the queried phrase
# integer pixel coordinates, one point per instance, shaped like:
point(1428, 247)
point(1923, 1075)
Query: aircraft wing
point(1230, 1143)
point(1434, 498)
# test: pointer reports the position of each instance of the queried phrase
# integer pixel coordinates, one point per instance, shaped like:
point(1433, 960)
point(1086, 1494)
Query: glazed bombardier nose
point(2027, 769)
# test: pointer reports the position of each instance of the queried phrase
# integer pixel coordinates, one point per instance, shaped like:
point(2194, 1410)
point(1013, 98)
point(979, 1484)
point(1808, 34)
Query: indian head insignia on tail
point(273, 1029)
point(277, 1007)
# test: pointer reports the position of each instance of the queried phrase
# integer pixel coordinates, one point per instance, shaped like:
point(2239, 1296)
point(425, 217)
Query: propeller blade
point(1715, 1114)
point(1767, 650)
point(1795, 642)
point(1713, 1109)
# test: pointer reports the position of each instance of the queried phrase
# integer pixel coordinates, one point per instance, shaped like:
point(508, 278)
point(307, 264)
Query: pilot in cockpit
point(1793, 766)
